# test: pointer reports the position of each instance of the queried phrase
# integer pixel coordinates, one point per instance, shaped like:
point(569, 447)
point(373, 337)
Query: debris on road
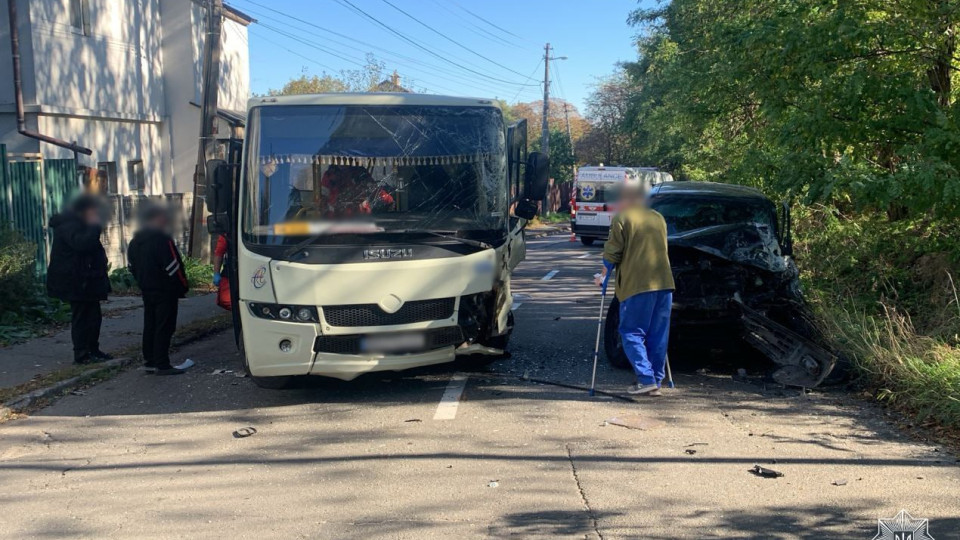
point(697, 444)
point(244, 432)
point(839, 482)
point(221, 371)
point(493, 483)
point(804, 363)
point(764, 472)
point(690, 451)
point(77, 393)
point(413, 420)
point(635, 421)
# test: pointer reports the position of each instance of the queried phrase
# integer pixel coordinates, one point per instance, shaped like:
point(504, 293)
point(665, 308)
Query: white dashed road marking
point(447, 410)
point(549, 275)
point(585, 255)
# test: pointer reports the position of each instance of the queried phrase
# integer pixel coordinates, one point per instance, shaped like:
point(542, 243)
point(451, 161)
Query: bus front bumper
point(309, 352)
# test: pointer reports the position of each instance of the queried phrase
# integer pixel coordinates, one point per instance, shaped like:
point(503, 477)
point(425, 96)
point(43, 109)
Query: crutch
point(596, 346)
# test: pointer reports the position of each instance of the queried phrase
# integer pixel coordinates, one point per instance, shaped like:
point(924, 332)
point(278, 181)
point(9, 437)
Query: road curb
point(23, 402)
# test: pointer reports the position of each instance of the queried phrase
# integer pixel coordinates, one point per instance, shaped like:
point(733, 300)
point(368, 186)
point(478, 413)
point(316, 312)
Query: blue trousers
point(645, 331)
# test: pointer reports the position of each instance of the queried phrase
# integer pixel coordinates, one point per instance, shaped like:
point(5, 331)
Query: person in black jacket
point(157, 266)
point(78, 274)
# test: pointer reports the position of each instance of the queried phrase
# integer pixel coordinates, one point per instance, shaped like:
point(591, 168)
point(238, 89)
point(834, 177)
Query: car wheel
point(587, 240)
point(612, 345)
point(271, 383)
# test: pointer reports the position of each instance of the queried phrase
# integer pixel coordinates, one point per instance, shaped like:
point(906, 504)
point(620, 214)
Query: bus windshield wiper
point(301, 245)
point(449, 235)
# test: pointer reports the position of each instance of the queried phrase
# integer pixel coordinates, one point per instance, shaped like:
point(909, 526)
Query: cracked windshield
point(333, 170)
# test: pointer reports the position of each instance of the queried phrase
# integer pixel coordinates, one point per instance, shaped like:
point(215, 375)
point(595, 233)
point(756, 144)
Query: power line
point(350, 5)
point(478, 30)
point(313, 45)
point(295, 53)
point(451, 40)
point(531, 75)
point(449, 73)
point(563, 95)
point(332, 69)
point(504, 30)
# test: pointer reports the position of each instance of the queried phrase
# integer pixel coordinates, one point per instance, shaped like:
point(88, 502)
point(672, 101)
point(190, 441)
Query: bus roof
point(370, 98)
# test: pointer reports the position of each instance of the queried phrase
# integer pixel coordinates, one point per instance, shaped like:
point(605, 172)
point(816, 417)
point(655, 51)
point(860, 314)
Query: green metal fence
point(32, 191)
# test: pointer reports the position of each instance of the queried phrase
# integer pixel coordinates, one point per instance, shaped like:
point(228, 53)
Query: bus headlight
point(289, 313)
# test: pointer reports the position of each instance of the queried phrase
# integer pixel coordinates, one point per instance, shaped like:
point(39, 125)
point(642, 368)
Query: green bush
point(199, 274)
point(17, 266)
point(886, 297)
point(25, 309)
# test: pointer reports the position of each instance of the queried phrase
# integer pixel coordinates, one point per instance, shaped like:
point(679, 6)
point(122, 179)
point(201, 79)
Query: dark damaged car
point(731, 253)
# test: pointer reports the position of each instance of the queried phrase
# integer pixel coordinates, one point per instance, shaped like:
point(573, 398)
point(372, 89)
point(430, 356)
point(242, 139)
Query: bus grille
point(372, 315)
point(437, 338)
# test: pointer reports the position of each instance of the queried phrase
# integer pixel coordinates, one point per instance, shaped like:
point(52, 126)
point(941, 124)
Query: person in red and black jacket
point(157, 266)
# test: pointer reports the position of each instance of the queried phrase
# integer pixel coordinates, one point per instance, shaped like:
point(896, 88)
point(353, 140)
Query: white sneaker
point(636, 389)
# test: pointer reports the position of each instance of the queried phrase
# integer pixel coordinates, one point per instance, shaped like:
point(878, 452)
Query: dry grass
point(912, 371)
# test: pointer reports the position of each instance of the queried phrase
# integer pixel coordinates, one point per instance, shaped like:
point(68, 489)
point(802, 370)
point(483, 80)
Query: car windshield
point(335, 171)
point(684, 214)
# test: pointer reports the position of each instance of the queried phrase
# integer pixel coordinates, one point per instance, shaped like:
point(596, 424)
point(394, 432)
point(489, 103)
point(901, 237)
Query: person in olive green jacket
point(637, 248)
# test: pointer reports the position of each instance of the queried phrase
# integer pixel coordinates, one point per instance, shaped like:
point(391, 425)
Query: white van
point(596, 191)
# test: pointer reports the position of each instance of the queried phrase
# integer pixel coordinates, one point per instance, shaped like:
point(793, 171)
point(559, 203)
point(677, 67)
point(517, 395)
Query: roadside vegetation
point(849, 111)
point(199, 274)
point(25, 309)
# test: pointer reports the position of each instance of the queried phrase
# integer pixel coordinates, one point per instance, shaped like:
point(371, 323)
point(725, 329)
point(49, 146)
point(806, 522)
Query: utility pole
point(208, 117)
point(566, 116)
point(545, 133)
point(545, 126)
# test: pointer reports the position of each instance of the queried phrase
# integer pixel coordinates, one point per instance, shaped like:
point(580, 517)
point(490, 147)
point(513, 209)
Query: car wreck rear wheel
point(612, 346)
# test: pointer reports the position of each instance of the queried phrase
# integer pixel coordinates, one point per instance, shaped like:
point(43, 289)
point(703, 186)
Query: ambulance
point(595, 194)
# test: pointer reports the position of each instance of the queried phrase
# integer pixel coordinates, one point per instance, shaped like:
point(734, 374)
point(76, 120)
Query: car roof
point(717, 189)
point(370, 98)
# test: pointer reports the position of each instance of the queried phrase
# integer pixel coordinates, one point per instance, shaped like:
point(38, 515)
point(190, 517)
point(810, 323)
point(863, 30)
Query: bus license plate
point(384, 343)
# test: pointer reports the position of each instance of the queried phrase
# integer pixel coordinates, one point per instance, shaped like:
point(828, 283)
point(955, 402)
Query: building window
point(107, 175)
point(136, 179)
point(80, 16)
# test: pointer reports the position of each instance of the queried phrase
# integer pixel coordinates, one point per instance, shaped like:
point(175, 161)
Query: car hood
point(752, 244)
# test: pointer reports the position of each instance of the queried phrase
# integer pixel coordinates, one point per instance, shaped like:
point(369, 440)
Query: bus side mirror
point(219, 196)
point(536, 176)
point(526, 209)
point(786, 230)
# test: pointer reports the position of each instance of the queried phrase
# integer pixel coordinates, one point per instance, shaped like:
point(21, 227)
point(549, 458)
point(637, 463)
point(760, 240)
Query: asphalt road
point(387, 456)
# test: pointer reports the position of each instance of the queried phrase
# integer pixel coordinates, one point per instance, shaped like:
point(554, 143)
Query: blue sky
point(592, 34)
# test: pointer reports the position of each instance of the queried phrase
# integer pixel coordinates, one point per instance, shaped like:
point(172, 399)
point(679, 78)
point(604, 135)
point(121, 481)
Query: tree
point(607, 141)
point(562, 160)
point(829, 100)
point(310, 85)
point(365, 79)
point(533, 113)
